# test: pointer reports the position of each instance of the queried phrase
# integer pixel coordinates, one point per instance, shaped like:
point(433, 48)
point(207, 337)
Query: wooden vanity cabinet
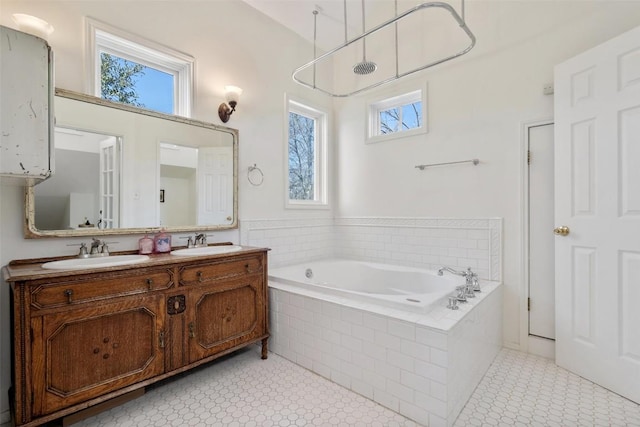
point(83, 338)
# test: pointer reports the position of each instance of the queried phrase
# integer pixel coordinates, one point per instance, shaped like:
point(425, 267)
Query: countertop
point(31, 269)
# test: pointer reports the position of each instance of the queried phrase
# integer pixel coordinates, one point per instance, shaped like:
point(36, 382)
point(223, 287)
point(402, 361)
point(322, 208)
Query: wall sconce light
point(33, 25)
point(232, 94)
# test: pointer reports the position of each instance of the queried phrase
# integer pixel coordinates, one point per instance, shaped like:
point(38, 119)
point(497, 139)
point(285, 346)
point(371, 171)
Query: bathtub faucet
point(470, 277)
point(451, 270)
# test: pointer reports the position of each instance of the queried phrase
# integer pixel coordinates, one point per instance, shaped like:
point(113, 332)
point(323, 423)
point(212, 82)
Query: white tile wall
point(418, 242)
point(291, 240)
point(423, 373)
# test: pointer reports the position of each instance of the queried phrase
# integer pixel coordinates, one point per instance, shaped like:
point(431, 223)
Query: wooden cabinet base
point(101, 407)
point(86, 338)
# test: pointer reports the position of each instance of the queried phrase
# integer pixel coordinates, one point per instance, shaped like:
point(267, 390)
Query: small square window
point(402, 115)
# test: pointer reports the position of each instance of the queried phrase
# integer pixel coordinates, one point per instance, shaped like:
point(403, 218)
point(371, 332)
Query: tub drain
point(308, 273)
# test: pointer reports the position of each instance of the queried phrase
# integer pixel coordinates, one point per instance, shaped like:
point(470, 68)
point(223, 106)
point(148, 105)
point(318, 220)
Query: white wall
point(477, 106)
point(232, 44)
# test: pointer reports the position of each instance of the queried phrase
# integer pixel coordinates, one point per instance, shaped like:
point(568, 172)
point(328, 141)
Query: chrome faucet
point(98, 248)
point(451, 270)
point(200, 240)
point(471, 279)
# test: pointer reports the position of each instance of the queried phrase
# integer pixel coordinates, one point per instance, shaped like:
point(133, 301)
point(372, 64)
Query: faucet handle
point(462, 293)
point(83, 251)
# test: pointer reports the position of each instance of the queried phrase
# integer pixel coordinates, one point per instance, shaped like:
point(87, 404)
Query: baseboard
point(542, 347)
point(512, 345)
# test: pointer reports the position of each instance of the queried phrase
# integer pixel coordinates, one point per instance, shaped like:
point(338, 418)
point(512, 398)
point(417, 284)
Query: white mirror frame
point(31, 232)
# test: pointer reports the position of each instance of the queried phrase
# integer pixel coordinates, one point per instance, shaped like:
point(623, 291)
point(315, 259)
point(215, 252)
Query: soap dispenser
point(162, 242)
point(145, 245)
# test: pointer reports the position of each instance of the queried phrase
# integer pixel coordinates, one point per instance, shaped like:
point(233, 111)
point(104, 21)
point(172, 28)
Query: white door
point(597, 196)
point(541, 241)
point(109, 184)
point(215, 189)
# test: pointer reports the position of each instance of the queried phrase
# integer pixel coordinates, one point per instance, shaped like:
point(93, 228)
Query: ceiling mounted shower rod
point(460, 21)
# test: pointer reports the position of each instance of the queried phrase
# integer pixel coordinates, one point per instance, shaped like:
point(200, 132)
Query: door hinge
point(528, 157)
point(528, 304)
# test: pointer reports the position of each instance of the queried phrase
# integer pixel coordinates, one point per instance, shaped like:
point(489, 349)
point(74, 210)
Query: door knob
point(561, 231)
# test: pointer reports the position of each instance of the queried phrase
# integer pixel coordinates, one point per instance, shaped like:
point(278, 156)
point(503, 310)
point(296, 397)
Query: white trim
point(135, 48)
point(524, 215)
point(409, 95)
point(321, 184)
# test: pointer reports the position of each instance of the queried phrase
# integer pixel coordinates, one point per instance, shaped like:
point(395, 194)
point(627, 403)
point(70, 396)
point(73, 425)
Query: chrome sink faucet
point(98, 248)
point(200, 240)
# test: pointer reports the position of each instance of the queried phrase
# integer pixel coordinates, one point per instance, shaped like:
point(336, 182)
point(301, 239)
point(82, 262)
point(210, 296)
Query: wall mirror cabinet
point(122, 169)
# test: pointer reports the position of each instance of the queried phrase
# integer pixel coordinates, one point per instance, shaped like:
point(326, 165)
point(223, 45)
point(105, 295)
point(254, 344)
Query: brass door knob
point(561, 231)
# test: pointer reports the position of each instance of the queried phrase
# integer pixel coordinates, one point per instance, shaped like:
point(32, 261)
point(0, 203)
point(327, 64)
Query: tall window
point(138, 72)
point(306, 156)
point(401, 115)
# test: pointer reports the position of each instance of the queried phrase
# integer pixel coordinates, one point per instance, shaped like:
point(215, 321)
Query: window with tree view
point(398, 116)
point(135, 71)
point(136, 84)
point(305, 155)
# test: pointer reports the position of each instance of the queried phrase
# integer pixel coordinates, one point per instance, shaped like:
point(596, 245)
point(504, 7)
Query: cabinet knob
point(161, 339)
point(149, 283)
point(192, 330)
point(69, 294)
point(199, 274)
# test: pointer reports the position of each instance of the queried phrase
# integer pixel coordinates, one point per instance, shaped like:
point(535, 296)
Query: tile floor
point(518, 390)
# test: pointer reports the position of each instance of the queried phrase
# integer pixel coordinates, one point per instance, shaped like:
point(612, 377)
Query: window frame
point(102, 37)
point(408, 96)
point(321, 185)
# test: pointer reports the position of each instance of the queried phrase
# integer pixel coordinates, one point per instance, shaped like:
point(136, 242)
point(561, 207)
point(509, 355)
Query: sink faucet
point(98, 248)
point(200, 240)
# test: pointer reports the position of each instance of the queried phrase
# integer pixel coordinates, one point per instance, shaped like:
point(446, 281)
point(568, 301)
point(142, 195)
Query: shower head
point(365, 67)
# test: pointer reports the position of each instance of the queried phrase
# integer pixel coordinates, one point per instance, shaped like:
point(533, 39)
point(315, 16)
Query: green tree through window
point(118, 79)
point(301, 157)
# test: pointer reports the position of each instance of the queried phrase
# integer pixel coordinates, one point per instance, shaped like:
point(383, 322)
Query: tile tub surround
point(423, 366)
point(416, 242)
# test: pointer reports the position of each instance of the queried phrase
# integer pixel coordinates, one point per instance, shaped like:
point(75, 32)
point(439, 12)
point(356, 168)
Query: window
point(306, 156)
point(398, 116)
point(126, 68)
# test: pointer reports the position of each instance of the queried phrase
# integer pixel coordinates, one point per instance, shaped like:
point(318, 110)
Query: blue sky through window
point(155, 88)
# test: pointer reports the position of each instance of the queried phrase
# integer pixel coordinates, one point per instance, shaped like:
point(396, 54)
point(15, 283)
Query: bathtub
point(406, 288)
point(384, 332)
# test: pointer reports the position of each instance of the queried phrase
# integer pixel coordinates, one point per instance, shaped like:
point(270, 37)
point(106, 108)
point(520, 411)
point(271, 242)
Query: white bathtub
point(406, 288)
point(384, 332)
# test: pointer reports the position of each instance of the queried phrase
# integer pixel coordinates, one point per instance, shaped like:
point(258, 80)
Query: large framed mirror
point(121, 169)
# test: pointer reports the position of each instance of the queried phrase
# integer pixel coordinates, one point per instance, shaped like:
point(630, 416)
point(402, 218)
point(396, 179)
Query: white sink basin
point(97, 262)
point(207, 250)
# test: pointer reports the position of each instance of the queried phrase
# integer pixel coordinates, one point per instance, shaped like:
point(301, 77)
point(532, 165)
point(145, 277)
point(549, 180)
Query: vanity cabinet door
point(226, 315)
point(87, 352)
